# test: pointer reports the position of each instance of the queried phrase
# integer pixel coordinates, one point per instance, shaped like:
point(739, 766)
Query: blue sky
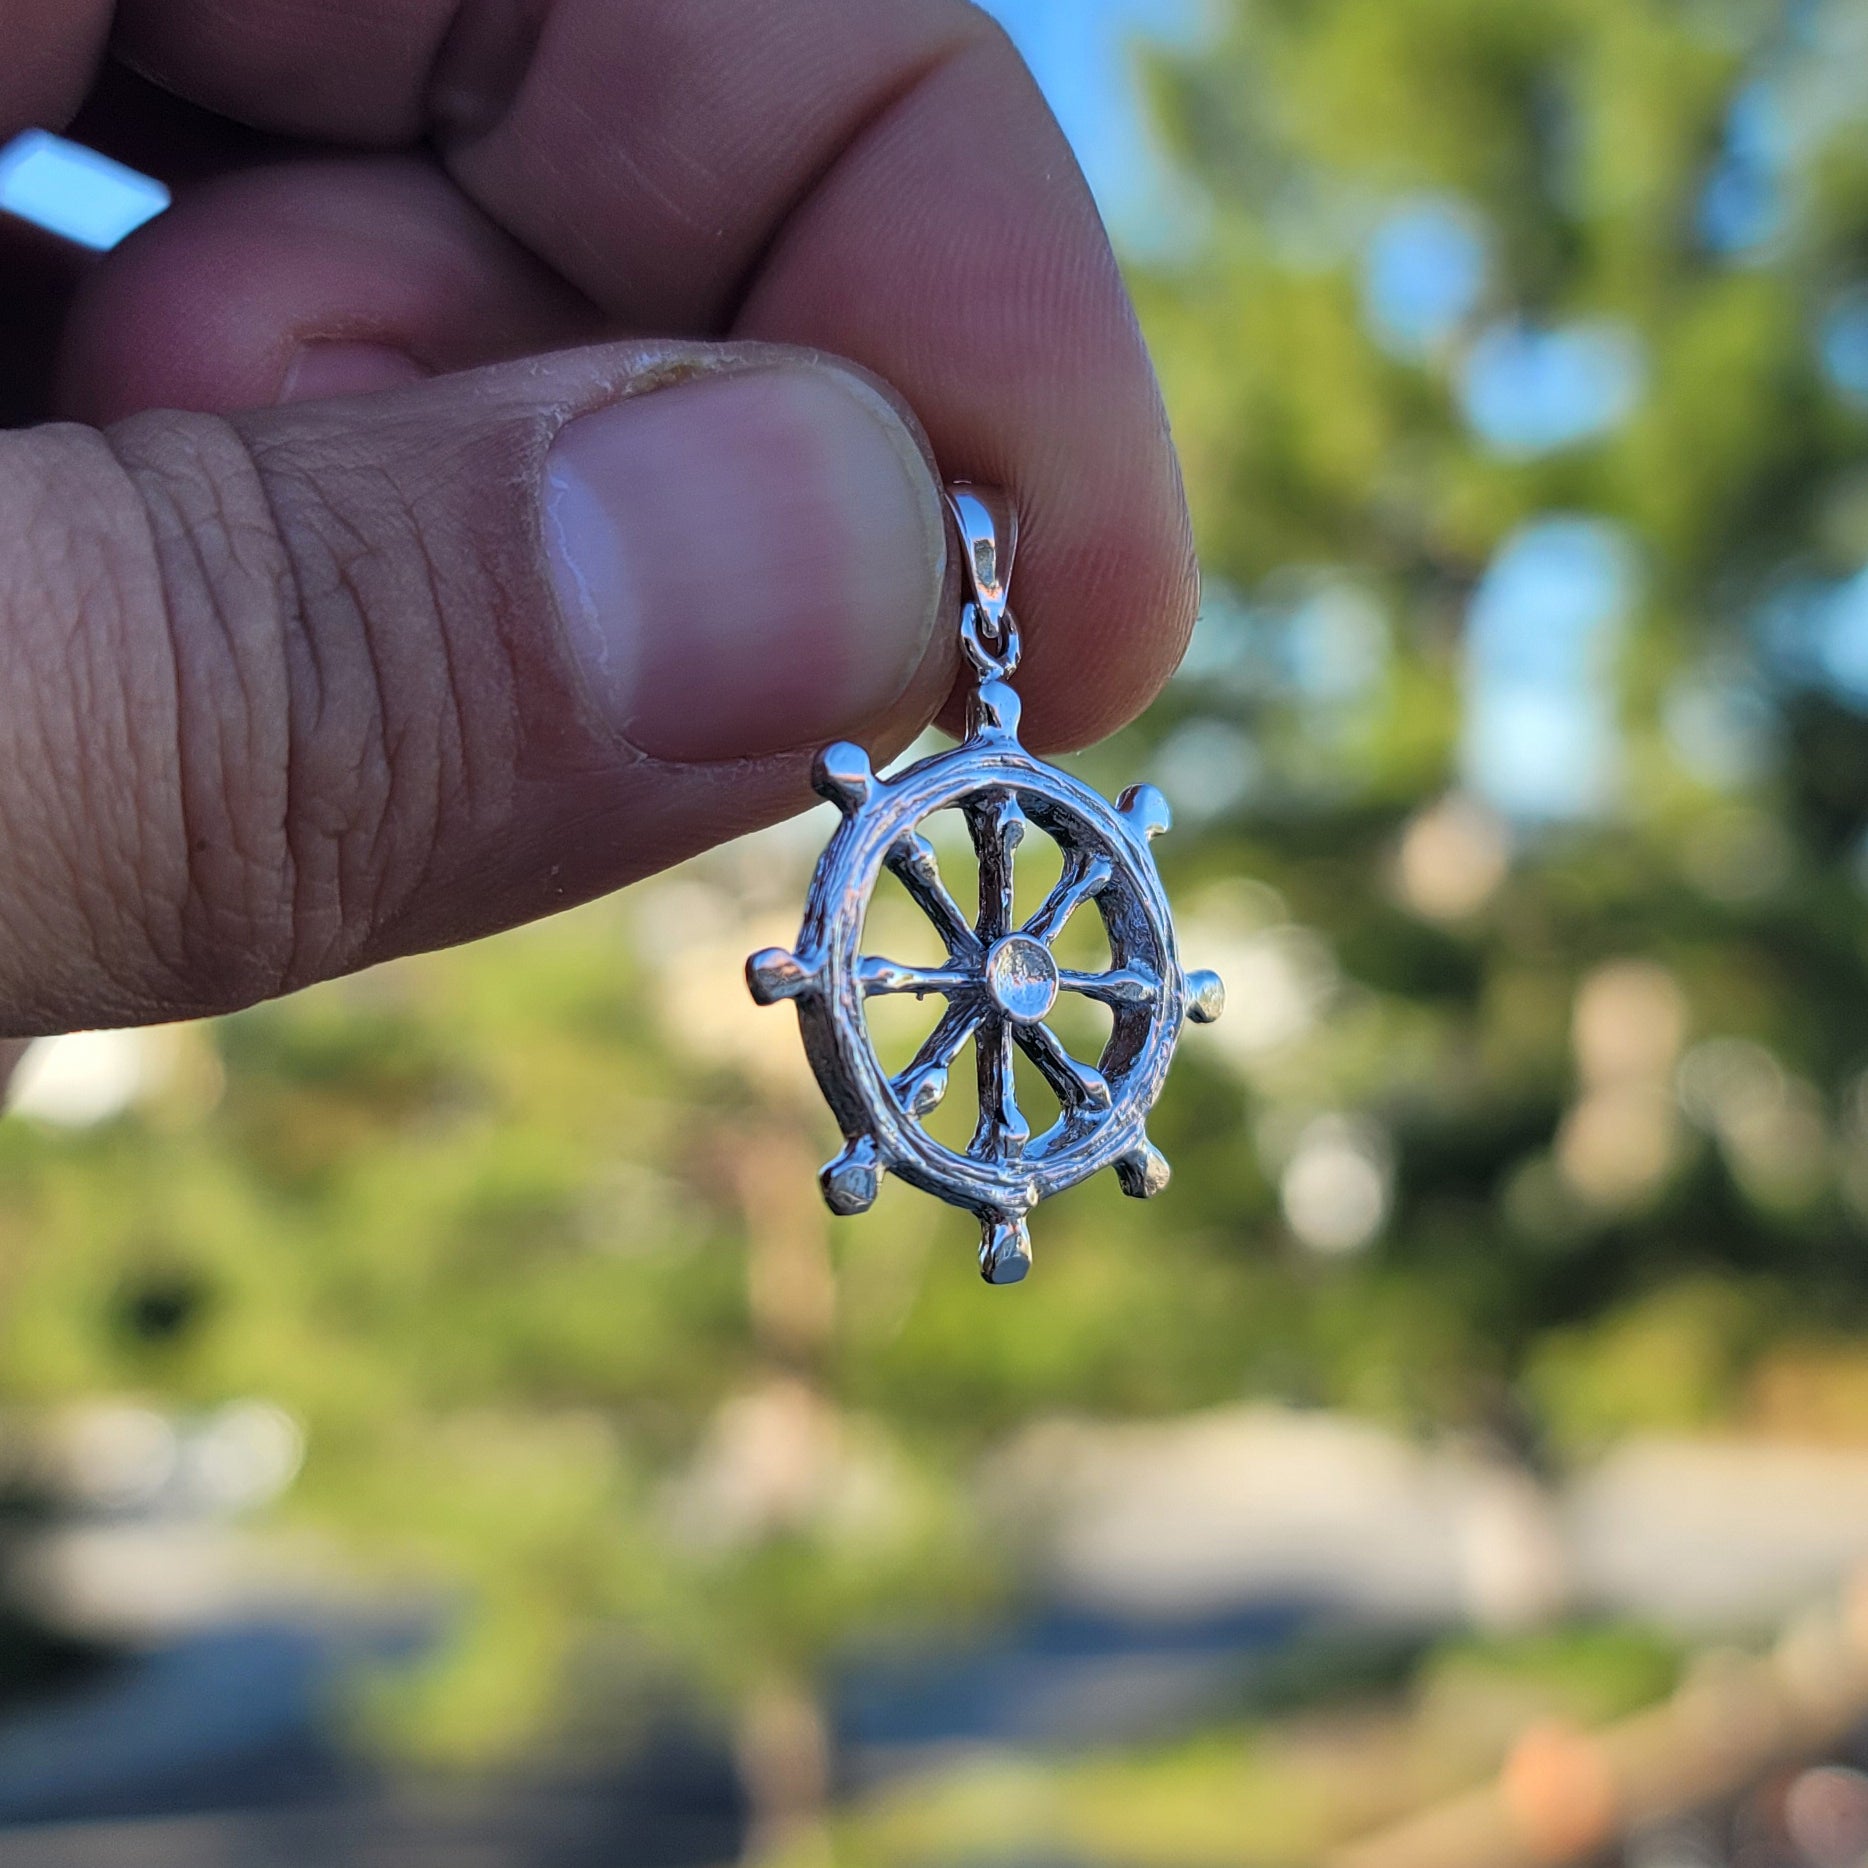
point(1081, 52)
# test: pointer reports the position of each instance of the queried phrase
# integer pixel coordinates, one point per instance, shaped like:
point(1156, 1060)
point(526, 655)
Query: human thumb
point(290, 692)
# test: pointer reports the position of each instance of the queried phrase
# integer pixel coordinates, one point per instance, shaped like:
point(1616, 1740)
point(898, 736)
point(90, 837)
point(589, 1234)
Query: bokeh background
point(438, 1422)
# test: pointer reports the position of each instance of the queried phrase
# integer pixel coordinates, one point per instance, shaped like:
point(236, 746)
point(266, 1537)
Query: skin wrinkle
point(357, 855)
point(460, 768)
point(79, 928)
point(634, 165)
point(289, 606)
point(258, 866)
point(452, 771)
point(255, 841)
point(59, 850)
point(320, 834)
point(648, 186)
point(97, 679)
point(228, 679)
point(337, 825)
point(15, 740)
point(375, 864)
point(170, 531)
point(383, 838)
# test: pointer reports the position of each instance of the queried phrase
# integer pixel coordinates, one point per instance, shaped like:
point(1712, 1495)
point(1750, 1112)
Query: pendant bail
point(988, 528)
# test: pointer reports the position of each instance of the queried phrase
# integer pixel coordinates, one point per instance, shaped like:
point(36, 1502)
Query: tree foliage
point(1547, 1116)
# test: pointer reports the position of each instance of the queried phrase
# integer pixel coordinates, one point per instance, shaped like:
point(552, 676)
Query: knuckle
point(84, 814)
point(221, 858)
point(389, 759)
point(317, 739)
point(234, 742)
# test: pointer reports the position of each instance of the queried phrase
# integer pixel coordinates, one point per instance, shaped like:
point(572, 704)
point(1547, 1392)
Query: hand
point(549, 486)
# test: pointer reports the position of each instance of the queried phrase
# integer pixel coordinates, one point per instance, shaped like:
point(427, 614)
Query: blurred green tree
point(1521, 372)
point(1520, 380)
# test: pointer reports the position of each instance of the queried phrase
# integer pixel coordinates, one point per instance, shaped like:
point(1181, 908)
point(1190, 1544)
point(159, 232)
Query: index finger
point(875, 178)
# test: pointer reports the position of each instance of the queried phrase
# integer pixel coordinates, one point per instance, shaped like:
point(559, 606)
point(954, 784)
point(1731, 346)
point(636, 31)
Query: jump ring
point(993, 659)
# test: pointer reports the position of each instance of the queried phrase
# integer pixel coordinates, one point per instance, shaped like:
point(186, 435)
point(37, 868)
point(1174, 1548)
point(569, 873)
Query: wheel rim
point(871, 1101)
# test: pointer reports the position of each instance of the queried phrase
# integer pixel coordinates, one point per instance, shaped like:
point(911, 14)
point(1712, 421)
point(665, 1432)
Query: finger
point(296, 691)
point(134, 122)
point(52, 51)
point(305, 279)
point(1023, 349)
point(877, 178)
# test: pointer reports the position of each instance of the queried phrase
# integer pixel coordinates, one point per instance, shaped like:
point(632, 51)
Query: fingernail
point(327, 368)
point(744, 564)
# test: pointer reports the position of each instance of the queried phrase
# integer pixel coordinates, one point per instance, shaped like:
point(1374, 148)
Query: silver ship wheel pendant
point(1001, 978)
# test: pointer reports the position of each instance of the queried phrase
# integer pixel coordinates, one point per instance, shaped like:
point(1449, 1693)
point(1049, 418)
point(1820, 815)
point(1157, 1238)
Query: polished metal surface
point(1000, 979)
point(988, 529)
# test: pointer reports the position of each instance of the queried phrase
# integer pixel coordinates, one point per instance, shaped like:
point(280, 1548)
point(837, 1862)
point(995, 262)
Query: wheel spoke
point(922, 1085)
point(1076, 1086)
point(878, 974)
point(998, 827)
point(1003, 1131)
point(1123, 985)
point(1082, 878)
point(914, 862)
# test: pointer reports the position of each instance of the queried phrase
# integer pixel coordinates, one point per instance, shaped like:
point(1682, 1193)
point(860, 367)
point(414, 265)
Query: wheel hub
point(1021, 979)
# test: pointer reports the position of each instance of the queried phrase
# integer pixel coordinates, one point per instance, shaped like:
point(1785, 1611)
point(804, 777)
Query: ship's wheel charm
point(1001, 978)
